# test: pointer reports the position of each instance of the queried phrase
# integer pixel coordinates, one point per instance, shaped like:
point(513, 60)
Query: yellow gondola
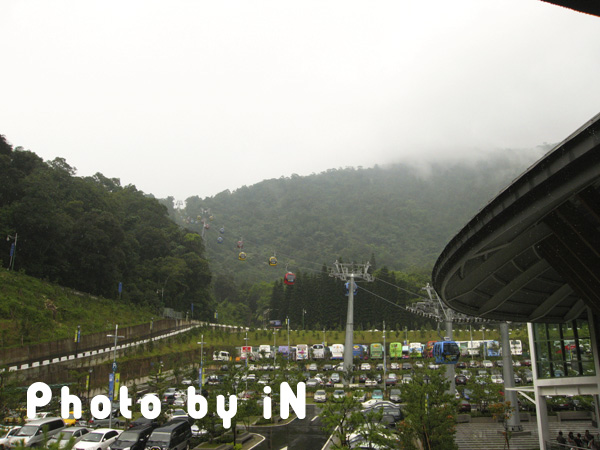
point(242, 256)
point(272, 261)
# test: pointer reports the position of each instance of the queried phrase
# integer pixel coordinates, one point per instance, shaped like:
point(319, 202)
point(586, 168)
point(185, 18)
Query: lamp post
point(114, 370)
point(303, 312)
point(201, 360)
point(89, 383)
point(77, 339)
point(13, 250)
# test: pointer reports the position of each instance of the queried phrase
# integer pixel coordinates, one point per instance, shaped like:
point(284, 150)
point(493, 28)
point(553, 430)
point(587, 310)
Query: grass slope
point(32, 311)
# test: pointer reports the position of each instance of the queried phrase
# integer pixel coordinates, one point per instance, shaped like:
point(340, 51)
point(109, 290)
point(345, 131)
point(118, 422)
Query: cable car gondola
point(222, 230)
point(242, 256)
point(446, 352)
point(240, 244)
point(289, 278)
point(219, 240)
point(272, 261)
point(347, 286)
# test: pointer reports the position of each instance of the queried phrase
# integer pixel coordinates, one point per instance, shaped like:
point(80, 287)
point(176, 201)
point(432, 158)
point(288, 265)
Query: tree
point(429, 414)
point(339, 418)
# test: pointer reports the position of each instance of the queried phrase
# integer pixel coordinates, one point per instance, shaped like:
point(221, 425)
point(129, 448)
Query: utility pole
point(201, 377)
point(114, 371)
point(384, 362)
point(13, 250)
point(348, 273)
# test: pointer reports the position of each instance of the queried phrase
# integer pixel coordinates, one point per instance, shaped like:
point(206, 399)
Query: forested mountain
point(399, 216)
point(92, 234)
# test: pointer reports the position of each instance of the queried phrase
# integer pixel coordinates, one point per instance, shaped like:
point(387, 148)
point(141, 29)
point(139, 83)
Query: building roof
point(532, 254)
point(585, 6)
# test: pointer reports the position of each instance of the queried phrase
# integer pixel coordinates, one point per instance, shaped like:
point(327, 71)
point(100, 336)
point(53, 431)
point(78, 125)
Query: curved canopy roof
point(533, 253)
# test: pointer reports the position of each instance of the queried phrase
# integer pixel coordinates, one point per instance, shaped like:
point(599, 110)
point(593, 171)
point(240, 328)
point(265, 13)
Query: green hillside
point(399, 216)
point(32, 310)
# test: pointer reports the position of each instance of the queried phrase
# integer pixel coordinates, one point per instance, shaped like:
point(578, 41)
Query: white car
point(365, 366)
point(487, 363)
point(320, 396)
point(497, 379)
point(187, 382)
point(369, 382)
point(7, 434)
point(99, 439)
point(139, 400)
point(395, 366)
point(62, 439)
point(433, 366)
point(197, 431)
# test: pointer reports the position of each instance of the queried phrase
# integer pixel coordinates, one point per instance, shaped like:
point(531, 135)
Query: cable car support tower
point(434, 309)
point(349, 273)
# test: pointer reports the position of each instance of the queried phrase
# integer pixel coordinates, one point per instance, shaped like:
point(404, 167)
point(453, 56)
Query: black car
point(141, 421)
point(460, 379)
point(135, 438)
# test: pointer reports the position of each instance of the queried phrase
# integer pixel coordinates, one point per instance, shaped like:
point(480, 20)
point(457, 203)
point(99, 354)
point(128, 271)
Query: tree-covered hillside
point(398, 216)
point(91, 234)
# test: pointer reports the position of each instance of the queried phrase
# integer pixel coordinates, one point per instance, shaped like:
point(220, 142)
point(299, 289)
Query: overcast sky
point(188, 98)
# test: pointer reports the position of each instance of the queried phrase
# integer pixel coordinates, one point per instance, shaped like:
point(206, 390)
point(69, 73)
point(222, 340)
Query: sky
point(191, 98)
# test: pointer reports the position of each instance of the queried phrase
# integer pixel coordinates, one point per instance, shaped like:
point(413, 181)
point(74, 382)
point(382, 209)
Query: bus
point(337, 351)
point(318, 351)
point(301, 352)
point(221, 356)
point(405, 352)
point(264, 351)
point(395, 349)
point(376, 351)
point(416, 350)
point(516, 348)
point(358, 352)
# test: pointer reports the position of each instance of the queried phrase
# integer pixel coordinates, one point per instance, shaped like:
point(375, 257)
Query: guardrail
point(106, 349)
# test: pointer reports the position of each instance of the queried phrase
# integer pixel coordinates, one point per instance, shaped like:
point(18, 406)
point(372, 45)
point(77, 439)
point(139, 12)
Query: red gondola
point(289, 278)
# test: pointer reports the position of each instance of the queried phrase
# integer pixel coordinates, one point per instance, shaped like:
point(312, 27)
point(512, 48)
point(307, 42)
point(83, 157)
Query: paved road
point(298, 435)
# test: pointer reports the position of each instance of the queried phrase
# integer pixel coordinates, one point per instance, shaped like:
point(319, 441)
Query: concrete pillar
point(450, 368)
point(514, 421)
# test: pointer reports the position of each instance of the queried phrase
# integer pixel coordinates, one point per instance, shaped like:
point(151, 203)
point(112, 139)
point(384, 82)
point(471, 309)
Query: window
point(564, 350)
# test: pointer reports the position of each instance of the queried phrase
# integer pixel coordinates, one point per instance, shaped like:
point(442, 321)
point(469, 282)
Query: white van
point(221, 356)
point(32, 434)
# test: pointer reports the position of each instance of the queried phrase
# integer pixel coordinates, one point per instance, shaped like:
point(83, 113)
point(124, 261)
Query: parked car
point(497, 379)
point(171, 436)
point(133, 439)
point(395, 366)
point(338, 395)
point(359, 395)
point(6, 435)
point(377, 394)
point(406, 366)
point(487, 364)
point(460, 379)
point(406, 378)
point(313, 382)
point(464, 406)
point(99, 439)
point(391, 379)
point(62, 439)
point(474, 364)
point(396, 395)
point(370, 382)
point(320, 396)
point(32, 434)
point(461, 365)
point(365, 366)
